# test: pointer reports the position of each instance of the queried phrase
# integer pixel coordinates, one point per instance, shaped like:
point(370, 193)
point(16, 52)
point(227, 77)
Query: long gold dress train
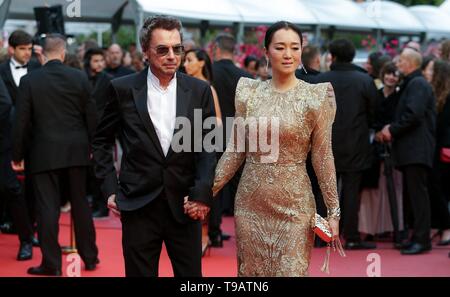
point(274, 203)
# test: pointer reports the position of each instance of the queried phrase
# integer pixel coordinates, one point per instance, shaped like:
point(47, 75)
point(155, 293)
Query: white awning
point(340, 13)
point(434, 19)
point(393, 17)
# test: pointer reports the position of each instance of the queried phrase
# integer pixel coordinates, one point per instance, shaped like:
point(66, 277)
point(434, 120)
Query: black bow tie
point(23, 66)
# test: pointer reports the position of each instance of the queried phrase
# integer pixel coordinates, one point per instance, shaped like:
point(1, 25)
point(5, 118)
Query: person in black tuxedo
point(9, 184)
point(155, 179)
point(94, 65)
point(55, 110)
point(356, 97)
point(413, 143)
point(21, 210)
point(225, 78)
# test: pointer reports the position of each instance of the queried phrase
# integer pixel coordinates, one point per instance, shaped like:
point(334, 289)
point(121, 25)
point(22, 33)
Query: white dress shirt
point(17, 73)
point(162, 107)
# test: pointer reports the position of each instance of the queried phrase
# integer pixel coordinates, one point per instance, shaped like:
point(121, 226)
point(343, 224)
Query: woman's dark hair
point(250, 59)
point(278, 26)
point(441, 82)
point(203, 56)
point(343, 50)
point(388, 68)
point(426, 60)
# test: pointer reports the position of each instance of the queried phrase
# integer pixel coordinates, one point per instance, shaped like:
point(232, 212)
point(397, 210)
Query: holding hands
point(196, 210)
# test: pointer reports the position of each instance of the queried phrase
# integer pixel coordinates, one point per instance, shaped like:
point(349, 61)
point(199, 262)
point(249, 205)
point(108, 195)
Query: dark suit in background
point(151, 187)
point(13, 89)
point(10, 188)
point(356, 97)
point(225, 78)
point(99, 84)
point(413, 134)
point(55, 107)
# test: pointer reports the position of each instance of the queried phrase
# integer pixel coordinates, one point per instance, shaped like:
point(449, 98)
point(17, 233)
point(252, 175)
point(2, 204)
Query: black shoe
point(416, 248)
point(25, 251)
point(91, 266)
point(443, 242)
point(101, 213)
point(359, 245)
point(403, 245)
point(8, 228)
point(216, 241)
point(35, 241)
point(41, 270)
point(225, 236)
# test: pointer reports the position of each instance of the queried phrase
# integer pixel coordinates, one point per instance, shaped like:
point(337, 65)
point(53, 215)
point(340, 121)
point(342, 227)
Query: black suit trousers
point(143, 232)
point(49, 186)
point(350, 202)
point(415, 179)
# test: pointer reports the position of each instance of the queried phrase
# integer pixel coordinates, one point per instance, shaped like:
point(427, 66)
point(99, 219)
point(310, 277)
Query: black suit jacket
point(443, 125)
point(225, 79)
point(6, 75)
point(56, 112)
point(5, 125)
point(356, 97)
point(413, 129)
point(100, 84)
point(307, 74)
point(145, 172)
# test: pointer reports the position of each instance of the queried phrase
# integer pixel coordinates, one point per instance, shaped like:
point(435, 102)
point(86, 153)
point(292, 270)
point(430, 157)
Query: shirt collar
point(156, 84)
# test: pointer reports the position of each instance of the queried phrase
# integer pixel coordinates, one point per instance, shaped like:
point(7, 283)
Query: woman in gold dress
point(274, 203)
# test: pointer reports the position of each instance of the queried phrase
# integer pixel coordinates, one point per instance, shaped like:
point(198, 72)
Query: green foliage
point(420, 2)
point(125, 36)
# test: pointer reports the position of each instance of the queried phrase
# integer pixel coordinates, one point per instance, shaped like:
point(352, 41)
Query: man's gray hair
point(157, 22)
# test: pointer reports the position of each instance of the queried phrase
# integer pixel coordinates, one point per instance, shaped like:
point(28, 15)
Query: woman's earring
point(267, 66)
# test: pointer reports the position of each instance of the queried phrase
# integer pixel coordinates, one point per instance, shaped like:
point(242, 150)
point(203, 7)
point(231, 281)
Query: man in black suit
point(413, 143)
point(10, 187)
point(155, 179)
point(226, 76)
point(56, 112)
point(356, 97)
point(94, 65)
point(11, 71)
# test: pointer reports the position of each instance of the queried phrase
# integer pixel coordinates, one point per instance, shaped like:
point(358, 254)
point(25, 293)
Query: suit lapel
point(140, 98)
point(9, 75)
point(183, 102)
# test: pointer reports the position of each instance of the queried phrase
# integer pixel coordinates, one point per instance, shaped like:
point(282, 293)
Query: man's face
point(115, 56)
point(97, 63)
point(22, 53)
point(165, 52)
point(403, 64)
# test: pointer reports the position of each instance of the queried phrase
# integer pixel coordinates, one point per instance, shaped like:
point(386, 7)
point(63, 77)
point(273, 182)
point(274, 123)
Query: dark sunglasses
point(163, 50)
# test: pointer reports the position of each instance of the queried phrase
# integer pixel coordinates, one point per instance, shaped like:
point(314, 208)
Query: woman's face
point(428, 71)
point(284, 51)
point(390, 80)
point(192, 65)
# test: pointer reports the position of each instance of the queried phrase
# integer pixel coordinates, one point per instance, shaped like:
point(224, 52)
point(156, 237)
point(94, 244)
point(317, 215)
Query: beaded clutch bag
point(321, 228)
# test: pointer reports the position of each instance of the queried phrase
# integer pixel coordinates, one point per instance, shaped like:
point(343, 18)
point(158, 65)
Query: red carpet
point(222, 262)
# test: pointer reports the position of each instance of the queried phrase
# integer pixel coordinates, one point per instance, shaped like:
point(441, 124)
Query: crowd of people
point(91, 132)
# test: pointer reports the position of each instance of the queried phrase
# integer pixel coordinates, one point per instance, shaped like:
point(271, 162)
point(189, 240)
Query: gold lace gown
point(274, 204)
